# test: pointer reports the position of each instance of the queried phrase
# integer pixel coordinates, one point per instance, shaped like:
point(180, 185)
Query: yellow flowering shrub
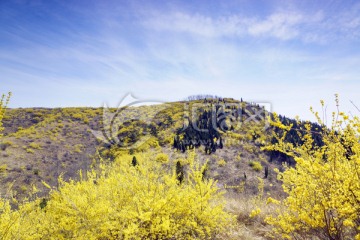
point(221, 163)
point(34, 145)
point(3, 103)
point(121, 201)
point(324, 187)
point(255, 212)
point(256, 166)
point(162, 158)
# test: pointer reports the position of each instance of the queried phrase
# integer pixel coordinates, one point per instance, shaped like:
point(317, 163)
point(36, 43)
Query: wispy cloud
point(284, 25)
point(94, 52)
point(196, 24)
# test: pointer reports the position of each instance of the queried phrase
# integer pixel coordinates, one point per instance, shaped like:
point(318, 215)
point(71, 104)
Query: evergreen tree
point(179, 172)
point(213, 147)
point(175, 145)
point(204, 172)
point(221, 144)
point(266, 173)
point(134, 161)
point(183, 149)
point(43, 203)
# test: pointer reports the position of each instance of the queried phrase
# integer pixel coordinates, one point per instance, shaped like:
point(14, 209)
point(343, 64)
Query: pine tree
point(134, 161)
point(266, 173)
point(204, 172)
point(179, 172)
point(43, 203)
point(175, 145)
point(221, 144)
point(182, 147)
point(213, 147)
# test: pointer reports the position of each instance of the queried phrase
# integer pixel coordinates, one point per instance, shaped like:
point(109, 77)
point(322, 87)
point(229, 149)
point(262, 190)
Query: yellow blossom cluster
point(122, 201)
point(324, 187)
point(3, 103)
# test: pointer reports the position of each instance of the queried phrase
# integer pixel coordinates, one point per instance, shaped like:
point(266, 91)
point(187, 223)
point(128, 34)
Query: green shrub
point(36, 171)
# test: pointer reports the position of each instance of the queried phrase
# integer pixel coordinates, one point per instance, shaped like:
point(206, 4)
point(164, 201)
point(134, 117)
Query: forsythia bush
point(324, 187)
point(123, 202)
point(3, 103)
point(162, 158)
point(256, 166)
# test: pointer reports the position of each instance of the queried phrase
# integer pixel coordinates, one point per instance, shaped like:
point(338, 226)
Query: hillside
point(42, 144)
point(149, 167)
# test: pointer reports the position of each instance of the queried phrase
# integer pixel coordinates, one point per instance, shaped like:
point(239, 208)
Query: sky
point(289, 54)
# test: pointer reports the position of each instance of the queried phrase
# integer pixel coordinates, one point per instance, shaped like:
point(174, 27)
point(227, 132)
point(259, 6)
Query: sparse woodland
point(195, 169)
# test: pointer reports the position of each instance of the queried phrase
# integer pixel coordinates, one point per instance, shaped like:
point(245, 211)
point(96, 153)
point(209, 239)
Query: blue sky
point(86, 53)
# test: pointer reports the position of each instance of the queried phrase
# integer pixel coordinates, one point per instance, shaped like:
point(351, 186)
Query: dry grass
point(248, 227)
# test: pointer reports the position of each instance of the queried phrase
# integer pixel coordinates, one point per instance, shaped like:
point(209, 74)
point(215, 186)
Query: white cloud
point(280, 25)
point(318, 26)
point(179, 53)
point(196, 24)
